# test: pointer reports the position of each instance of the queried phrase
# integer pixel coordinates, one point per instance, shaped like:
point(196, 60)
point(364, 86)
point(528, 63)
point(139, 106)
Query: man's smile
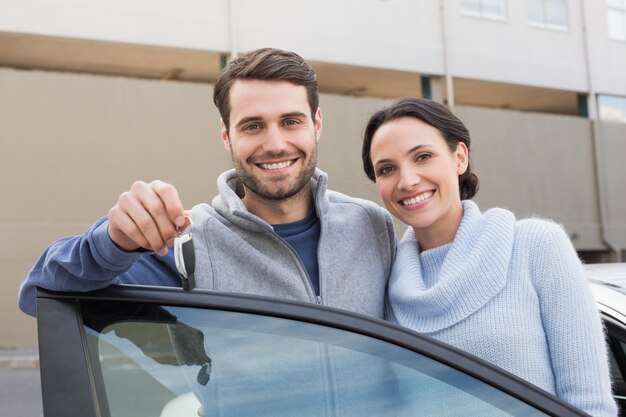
point(271, 166)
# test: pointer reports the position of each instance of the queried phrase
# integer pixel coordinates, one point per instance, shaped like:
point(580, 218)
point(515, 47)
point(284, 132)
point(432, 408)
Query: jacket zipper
point(314, 298)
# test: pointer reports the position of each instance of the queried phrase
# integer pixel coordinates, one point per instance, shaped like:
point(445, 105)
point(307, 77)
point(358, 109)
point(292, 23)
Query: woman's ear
point(462, 158)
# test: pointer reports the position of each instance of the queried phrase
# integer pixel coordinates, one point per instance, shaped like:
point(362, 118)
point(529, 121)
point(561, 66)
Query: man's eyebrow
point(293, 114)
point(247, 120)
point(409, 152)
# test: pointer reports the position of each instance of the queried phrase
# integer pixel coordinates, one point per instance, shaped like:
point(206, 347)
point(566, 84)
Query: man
point(273, 229)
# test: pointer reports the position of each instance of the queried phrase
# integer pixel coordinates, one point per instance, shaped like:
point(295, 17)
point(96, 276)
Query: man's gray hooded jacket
point(239, 252)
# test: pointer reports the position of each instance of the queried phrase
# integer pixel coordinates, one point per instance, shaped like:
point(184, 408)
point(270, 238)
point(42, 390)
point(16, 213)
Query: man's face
point(272, 139)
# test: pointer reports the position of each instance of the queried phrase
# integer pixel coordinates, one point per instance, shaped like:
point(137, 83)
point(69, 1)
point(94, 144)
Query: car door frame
point(67, 378)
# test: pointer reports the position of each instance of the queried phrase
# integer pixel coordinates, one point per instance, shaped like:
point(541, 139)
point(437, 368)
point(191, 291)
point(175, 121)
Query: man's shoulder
point(336, 197)
point(346, 203)
point(356, 215)
point(202, 211)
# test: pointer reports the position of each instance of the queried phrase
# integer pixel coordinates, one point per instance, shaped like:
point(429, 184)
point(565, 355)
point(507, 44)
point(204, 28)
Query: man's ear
point(462, 158)
point(224, 135)
point(318, 124)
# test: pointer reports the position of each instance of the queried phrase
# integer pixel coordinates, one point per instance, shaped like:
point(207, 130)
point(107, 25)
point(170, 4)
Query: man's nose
point(274, 140)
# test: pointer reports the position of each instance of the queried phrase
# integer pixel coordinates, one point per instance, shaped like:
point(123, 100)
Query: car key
point(185, 258)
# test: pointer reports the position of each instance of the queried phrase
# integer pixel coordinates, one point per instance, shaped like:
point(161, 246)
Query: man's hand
point(146, 217)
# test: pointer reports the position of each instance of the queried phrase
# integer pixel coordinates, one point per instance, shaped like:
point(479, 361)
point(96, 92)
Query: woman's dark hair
point(430, 112)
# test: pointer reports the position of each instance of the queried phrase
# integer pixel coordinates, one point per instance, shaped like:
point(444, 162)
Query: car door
point(607, 284)
point(616, 336)
point(145, 351)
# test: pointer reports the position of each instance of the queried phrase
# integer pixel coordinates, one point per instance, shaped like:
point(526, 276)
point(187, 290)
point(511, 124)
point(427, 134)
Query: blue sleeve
point(92, 261)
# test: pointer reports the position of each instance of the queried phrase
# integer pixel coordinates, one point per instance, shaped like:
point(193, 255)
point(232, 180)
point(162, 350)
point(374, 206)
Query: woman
point(509, 291)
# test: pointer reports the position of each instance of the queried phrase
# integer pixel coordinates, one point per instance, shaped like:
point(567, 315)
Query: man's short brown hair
point(266, 64)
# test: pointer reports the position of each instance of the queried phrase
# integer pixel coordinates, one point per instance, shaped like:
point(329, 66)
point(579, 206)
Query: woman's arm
point(573, 327)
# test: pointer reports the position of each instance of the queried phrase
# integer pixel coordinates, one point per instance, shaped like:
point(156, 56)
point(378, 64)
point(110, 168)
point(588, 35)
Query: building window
point(550, 14)
point(492, 9)
point(617, 19)
point(612, 108)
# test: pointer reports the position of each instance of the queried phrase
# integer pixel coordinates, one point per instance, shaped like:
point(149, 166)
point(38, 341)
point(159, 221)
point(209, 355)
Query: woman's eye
point(423, 157)
point(384, 171)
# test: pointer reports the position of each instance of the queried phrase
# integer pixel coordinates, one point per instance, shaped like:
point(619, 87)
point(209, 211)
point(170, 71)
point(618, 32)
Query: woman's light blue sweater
point(512, 293)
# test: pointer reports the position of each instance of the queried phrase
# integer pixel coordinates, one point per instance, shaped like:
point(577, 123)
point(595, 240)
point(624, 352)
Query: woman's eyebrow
point(418, 147)
point(409, 152)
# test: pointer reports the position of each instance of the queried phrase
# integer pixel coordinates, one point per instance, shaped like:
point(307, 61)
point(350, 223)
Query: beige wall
point(70, 144)
point(537, 165)
point(611, 140)
point(549, 166)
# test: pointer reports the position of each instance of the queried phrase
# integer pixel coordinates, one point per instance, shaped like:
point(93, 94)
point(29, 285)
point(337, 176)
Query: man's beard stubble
point(262, 191)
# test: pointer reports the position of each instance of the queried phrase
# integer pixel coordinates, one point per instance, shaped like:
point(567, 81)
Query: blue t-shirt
point(303, 236)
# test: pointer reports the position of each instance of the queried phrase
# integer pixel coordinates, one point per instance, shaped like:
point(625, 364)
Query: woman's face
point(417, 175)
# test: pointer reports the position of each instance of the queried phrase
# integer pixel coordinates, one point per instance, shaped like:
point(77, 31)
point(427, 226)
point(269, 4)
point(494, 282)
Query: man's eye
point(250, 127)
point(292, 122)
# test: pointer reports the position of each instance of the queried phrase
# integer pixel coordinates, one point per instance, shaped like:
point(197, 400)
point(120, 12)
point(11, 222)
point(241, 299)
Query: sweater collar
point(472, 271)
point(228, 203)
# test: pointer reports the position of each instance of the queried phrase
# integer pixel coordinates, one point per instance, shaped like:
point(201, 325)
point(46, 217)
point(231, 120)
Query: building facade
point(96, 94)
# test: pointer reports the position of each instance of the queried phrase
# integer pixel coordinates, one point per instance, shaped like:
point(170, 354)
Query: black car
point(159, 352)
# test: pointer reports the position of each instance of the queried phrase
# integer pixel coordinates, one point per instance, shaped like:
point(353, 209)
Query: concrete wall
point(513, 51)
point(560, 167)
point(537, 165)
point(607, 56)
point(400, 34)
point(355, 32)
point(611, 138)
point(187, 24)
point(404, 35)
point(70, 144)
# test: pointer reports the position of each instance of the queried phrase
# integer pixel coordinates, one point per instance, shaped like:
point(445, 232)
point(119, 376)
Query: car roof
point(611, 275)
point(608, 283)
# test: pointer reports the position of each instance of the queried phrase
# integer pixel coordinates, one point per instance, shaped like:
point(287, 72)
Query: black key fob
point(185, 257)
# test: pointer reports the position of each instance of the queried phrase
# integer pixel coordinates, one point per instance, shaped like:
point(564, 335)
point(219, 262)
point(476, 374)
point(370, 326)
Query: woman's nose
point(408, 179)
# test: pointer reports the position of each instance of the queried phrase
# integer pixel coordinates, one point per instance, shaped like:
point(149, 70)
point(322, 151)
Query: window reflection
point(612, 108)
point(493, 9)
point(547, 13)
point(616, 18)
point(153, 365)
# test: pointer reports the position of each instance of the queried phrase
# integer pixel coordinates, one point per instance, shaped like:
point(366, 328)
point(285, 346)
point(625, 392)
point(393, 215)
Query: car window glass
point(617, 359)
point(617, 376)
point(173, 361)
